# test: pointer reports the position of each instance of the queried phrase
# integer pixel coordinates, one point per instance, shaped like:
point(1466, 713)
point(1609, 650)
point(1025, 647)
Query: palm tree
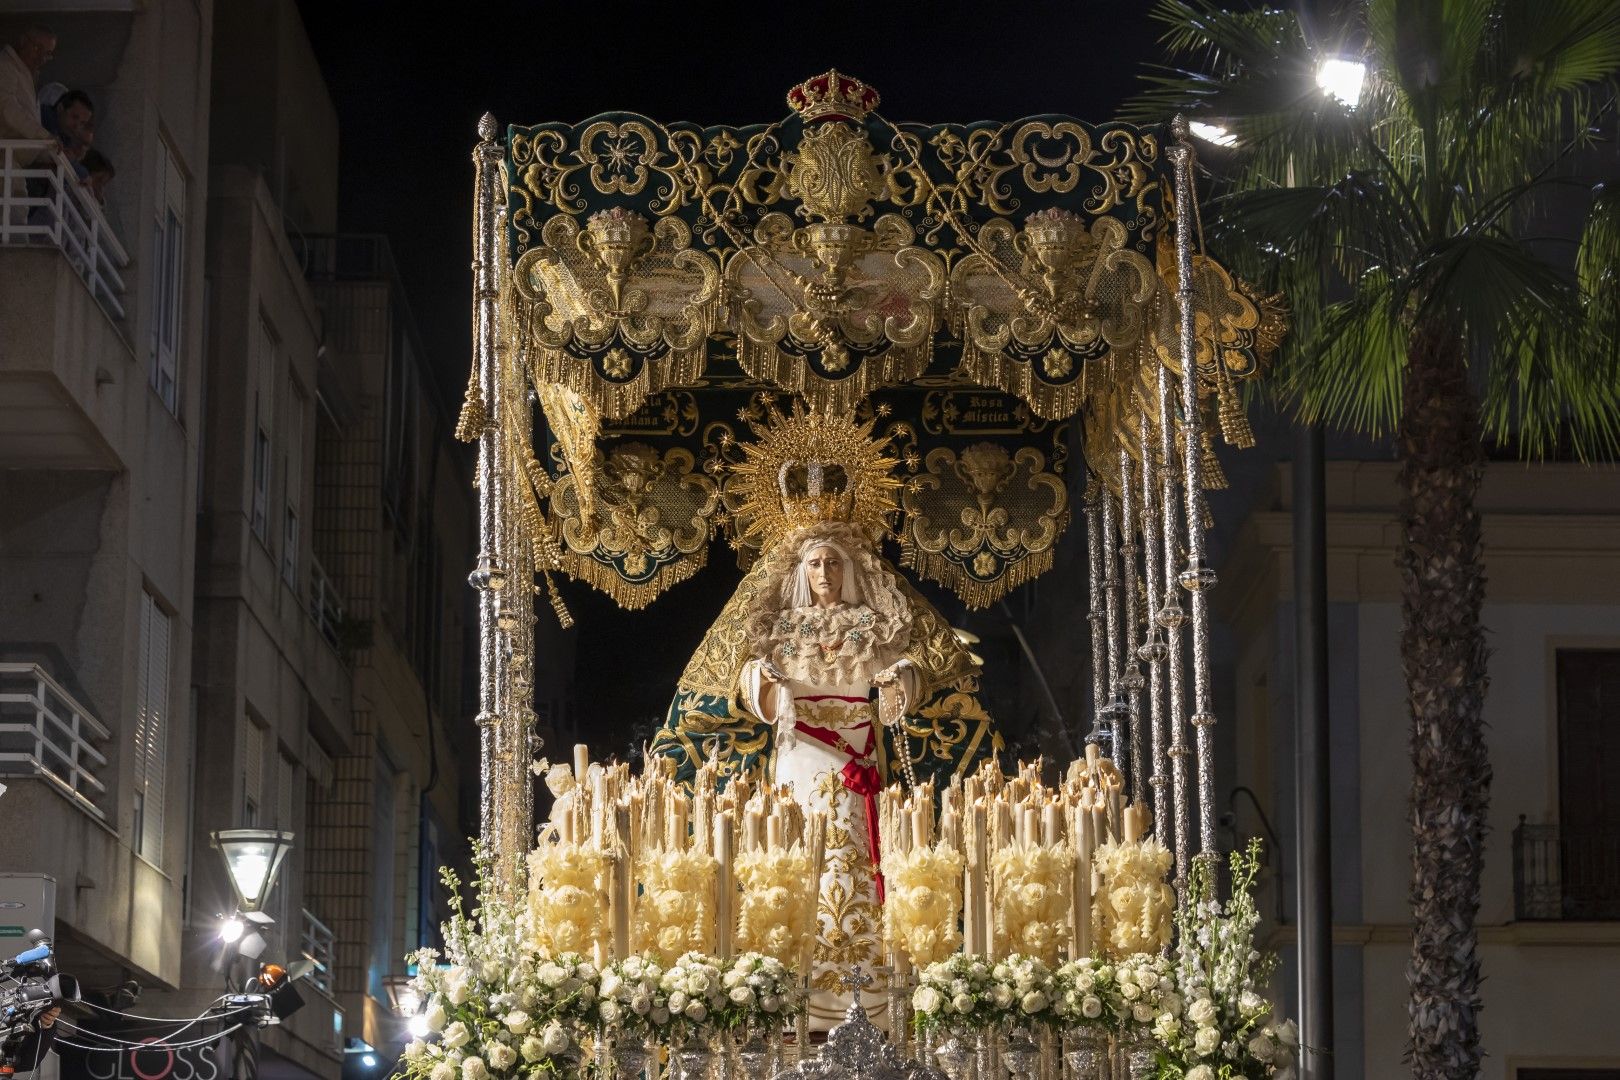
point(1415, 230)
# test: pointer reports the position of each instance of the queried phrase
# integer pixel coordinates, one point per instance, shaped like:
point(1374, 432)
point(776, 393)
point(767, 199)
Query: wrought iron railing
point(1567, 873)
point(45, 733)
point(317, 949)
point(325, 603)
point(42, 203)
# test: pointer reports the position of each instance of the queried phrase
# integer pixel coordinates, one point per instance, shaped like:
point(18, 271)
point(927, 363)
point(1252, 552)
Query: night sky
point(410, 81)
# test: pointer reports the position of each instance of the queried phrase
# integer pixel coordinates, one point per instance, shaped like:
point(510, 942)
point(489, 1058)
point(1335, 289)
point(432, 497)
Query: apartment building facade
point(232, 571)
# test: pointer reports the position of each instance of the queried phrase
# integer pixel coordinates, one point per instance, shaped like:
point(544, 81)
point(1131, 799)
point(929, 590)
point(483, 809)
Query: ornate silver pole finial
point(486, 127)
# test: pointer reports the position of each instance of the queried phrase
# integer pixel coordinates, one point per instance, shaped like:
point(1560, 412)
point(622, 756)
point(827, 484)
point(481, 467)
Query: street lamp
point(1342, 78)
point(407, 1002)
point(252, 858)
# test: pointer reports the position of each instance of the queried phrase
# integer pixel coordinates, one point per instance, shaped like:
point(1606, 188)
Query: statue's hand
point(772, 672)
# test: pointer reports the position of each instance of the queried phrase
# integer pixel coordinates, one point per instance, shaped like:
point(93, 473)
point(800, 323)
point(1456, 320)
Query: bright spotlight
point(1211, 133)
point(1342, 79)
point(231, 930)
point(418, 1026)
point(369, 1061)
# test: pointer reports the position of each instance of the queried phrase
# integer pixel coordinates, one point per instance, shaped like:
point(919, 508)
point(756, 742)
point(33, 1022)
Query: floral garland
point(565, 912)
point(1135, 907)
point(777, 915)
point(924, 901)
point(1032, 889)
point(675, 912)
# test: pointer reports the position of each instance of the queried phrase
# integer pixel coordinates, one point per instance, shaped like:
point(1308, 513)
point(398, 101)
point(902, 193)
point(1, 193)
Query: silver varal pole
point(1096, 616)
point(1153, 651)
point(1198, 578)
point(488, 576)
point(1170, 618)
point(1130, 666)
point(1114, 713)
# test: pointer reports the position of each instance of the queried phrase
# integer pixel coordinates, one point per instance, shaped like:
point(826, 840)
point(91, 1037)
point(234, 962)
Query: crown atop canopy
point(833, 96)
point(808, 467)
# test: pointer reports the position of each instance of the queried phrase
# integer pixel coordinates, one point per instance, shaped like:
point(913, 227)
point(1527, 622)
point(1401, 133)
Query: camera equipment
point(29, 988)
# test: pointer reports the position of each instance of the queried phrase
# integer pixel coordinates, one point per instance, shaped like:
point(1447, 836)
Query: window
point(264, 405)
point(294, 471)
point(151, 728)
point(1588, 783)
point(168, 257)
point(250, 758)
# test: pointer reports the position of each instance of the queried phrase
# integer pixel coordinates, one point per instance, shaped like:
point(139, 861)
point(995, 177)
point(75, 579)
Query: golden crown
point(833, 96)
point(807, 468)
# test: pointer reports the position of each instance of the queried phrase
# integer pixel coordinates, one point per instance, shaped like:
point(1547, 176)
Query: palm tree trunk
point(1443, 653)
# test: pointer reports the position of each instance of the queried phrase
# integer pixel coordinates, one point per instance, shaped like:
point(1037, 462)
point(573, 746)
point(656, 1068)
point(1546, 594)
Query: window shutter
point(285, 777)
point(151, 728)
point(252, 773)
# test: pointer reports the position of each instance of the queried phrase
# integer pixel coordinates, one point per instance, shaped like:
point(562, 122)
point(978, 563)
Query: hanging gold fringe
point(894, 365)
point(564, 619)
point(1045, 400)
point(474, 418)
point(632, 596)
point(1234, 417)
point(973, 592)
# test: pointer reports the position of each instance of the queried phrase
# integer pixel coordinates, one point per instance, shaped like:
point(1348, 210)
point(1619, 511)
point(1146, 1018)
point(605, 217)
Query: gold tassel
point(474, 419)
point(1235, 427)
point(1214, 475)
point(564, 619)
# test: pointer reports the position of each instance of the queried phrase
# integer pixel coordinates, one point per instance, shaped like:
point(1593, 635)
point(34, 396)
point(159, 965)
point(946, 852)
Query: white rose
point(436, 1017)
point(1261, 1048)
point(962, 1003)
point(1091, 1007)
point(517, 1021)
point(501, 1057)
point(415, 1050)
point(770, 1003)
point(611, 983)
point(1288, 1034)
point(457, 985)
point(609, 1011)
point(742, 995)
point(443, 1071)
point(456, 1035)
point(1130, 991)
point(532, 1050)
point(1202, 1011)
point(677, 1002)
point(1033, 1002)
point(492, 970)
point(641, 1004)
point(1201, 1072)
point(1171, 1003)
point(1165, 1027)
point(554, 1040)
point(473, 1069)
point(1250, 1003)
point(659, 1015)
point(1206, 1040)
point(697, 1012)
point(1142, 1014)
point(1147, 978)
point(926, 1000)
point(551, 975)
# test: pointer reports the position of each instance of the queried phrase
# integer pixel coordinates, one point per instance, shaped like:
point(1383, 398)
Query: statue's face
point(825, 569)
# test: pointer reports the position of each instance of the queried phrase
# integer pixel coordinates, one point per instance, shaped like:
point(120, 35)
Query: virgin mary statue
point(827, 671)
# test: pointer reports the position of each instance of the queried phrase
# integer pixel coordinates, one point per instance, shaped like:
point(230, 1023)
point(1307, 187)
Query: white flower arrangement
point(966, 994)
point(1122, 997)
point(696, 997)
point(631, 999)
point(1226, 1028)
point(496, 1008)
point(762, 993)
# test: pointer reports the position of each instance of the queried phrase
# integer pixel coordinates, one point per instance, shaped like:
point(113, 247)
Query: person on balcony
point(101, 174)
point(20, 65)
point(72, 119)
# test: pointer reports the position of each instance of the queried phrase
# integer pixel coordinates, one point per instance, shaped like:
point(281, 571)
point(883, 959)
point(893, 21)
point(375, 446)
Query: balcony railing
point(317, 949)
point(43, 204)
point(45, 733)
point(325, 604)
point(1566, 873)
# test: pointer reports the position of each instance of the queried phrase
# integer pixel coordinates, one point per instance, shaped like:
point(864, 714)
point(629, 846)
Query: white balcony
point(42, 202)
point(46, 734)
